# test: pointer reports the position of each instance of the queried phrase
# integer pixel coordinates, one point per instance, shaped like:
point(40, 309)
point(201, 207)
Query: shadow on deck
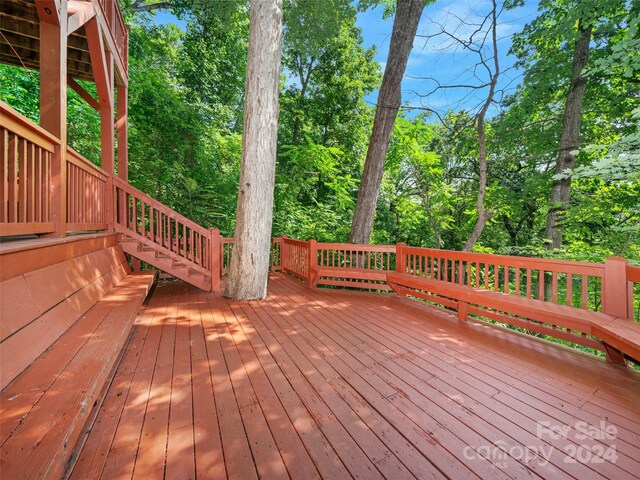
point(315, 383)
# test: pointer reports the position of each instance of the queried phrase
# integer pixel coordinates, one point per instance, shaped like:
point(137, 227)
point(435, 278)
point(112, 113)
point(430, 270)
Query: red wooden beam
point(81, 13)
point(53, 100)
point(76, 87)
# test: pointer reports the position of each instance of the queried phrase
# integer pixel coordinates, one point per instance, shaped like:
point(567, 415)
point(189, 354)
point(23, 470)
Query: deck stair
point(158, 236)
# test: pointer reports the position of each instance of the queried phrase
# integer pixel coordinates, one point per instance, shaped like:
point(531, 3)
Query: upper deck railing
point(119, 31)
point(29, 176)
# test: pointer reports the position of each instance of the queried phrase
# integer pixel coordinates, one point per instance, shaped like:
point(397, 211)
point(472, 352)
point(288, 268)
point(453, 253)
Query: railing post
point(400, 266)
point(53, 104)
point(214, 257)
point(59, 191)
point(313, 260)
point(615, 289)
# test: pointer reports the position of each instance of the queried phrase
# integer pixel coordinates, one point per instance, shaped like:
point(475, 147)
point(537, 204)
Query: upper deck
point(20, 39)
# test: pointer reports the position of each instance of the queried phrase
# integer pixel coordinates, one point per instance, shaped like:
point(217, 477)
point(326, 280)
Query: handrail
point(549, 280)
point(75, 158)
point(522, 262)
point(159, 206)
point(87, 194)
point(154, 224)
point(117, 29)
point(16, 122)
point(349, 255)
point(25, 186)
point(295, 257)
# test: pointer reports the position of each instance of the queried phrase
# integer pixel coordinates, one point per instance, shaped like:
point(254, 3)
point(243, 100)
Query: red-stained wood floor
point(318, 383)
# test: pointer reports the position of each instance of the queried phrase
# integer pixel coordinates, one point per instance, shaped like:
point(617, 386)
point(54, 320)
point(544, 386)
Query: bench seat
point(46, 406)
point(367, 274)
point(621, 334)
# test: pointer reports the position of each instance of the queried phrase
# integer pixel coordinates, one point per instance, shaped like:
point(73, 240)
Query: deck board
point(323, 383)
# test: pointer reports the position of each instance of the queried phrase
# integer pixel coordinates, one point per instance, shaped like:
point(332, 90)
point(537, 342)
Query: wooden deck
point(339, 384)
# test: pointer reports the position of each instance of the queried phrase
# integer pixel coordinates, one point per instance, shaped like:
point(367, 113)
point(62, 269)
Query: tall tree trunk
point(405, 25)
point(483, 213)
point(249, 270)
point(570, 139)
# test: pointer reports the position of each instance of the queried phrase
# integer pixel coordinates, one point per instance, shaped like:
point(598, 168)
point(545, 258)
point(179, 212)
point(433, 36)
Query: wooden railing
point(147, 220)
point(347, 255)
point(612, 287)
point(295, 257)
point(88, 194)
point(576, 284)
point(226, 251)
point(633, 292)
point(113, 15)
point(26, 152)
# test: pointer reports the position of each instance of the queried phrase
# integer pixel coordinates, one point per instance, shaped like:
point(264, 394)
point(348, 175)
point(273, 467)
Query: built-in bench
point(344, 277)
point(618, 336)
point(63, 328)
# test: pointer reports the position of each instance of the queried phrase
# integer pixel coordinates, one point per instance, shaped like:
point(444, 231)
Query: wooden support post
point(463, 311)
point(614, 355)
point(615, 286)
point(400, 261)
point(102, 63)
point(615, 300)
point(313, 261)
point(53, 101)
point(122, 127)
point(214, 256)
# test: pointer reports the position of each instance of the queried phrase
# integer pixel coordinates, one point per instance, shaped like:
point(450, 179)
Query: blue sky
point(438, 57)
point(441, 59)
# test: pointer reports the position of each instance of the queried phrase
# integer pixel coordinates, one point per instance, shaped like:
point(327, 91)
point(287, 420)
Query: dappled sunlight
point(310, 374)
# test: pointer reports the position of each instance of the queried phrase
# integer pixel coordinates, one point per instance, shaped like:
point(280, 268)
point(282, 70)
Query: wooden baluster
point(184, 241)
point(529, 283)
point(70, 190)
point(486, 276)
point(518, 281)
point(554, 287)
point(585, 291)
point(48, 186)
point(12, 215)
point(541, 285)
point(4, 173)
point(569, 289)
point(22, 180)
point(193, 258)
point(496, 278)
point(31, 183)
point(152, 231)
point(135, 214)
point(74, 191)
point(506, 278)
point(37, 194)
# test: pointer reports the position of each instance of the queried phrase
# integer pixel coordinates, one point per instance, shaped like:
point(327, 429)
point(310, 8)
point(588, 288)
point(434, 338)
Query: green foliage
point(185, 113)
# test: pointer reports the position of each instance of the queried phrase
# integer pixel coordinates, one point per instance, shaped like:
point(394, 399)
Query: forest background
point(186, 92)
